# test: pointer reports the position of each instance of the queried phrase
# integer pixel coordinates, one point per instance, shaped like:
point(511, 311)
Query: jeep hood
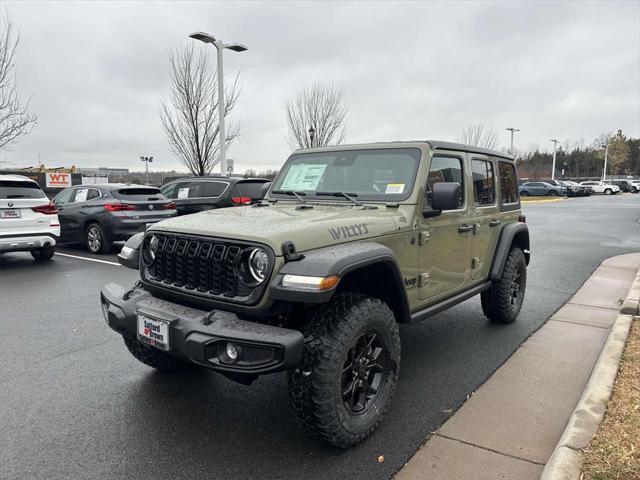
point(307, 228)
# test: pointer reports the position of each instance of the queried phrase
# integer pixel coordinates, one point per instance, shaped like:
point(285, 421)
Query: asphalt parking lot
point(75, 404)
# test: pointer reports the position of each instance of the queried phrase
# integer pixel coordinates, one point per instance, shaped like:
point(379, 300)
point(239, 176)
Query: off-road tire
point(104, 245)
point(315, 386)
point(608, 191)
point(155, 358)
point(498, 301)
point(44, 253)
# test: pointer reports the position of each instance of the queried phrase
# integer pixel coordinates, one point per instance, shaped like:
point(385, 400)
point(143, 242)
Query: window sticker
point(303, 176)
point(394, 188)
point(81, 195)
point(183, 192)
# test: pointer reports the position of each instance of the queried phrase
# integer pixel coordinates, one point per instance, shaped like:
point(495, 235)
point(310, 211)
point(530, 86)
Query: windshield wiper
point(348, 196)
point(292, 193)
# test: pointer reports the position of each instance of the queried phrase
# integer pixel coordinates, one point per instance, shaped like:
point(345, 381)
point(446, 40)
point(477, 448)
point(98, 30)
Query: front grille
point(203, 266)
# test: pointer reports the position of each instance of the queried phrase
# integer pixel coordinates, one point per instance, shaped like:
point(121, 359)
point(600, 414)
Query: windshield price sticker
point(183, 192)
point(303, 177)
point(394, 188)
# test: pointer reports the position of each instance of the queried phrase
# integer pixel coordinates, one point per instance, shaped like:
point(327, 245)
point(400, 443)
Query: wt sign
point(58, 180)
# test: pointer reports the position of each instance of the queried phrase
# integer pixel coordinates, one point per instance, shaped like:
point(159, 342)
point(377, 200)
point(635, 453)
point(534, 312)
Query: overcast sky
point(415, 70)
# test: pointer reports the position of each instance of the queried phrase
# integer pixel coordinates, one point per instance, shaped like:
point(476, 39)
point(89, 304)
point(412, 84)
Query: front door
point(484, 216)
point(445, 239)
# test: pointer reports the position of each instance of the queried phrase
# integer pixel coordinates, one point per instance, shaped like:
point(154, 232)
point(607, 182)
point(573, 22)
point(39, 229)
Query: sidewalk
point(511, 425)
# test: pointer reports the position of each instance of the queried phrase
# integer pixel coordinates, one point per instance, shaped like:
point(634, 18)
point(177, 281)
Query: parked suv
point(315, 279)
point(28, 220)
point(601, 187)
point(197, 194)
point(540, 188)
point(574, 189)
point(99, 215)
point(625, 185)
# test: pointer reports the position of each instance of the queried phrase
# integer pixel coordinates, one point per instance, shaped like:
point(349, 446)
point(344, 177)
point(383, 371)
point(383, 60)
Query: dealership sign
point(58, 180)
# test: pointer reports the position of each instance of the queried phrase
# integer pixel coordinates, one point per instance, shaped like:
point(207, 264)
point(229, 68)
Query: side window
point(188, 190)
point(169, 191)
point(444, 169)
point(213, 189)
point(483, 183)
point(93, 193)
point(508, 183)
point(81, 195)
point(64, 196)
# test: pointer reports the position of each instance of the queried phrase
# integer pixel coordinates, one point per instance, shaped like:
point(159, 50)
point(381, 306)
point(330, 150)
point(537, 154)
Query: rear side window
point(16, 189)
point(483, 182)
point(213, 189)
point(189, 190)
point(137, 194)
point(93, 193)
point(444, 169)
point(508, 183)
point(252, 190)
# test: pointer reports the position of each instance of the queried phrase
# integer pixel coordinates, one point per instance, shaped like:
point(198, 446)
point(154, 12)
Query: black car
point(624, 184)
point(99, 215)
point(197, 194)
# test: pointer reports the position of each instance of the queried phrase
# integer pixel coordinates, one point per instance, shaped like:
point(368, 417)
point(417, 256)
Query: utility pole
point(146, 160)
point(606, 156)
point(553, 166)
point(512, 130)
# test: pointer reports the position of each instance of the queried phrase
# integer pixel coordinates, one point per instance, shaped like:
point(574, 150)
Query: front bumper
point(200, 336)
point(27, 243)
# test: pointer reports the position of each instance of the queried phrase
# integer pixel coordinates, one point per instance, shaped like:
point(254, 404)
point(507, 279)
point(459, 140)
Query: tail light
point(49, 209)
point(169, 206)
point(241, 200)
point(118, 207)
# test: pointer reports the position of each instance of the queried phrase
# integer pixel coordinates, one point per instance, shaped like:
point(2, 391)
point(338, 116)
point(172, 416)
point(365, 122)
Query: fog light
point(232, 352)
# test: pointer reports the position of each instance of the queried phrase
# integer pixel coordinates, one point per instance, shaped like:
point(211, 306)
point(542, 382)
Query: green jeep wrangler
point(349, 242)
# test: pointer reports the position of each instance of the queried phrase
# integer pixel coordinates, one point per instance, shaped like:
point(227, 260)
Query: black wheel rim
point(364, 372)
point(515, 289)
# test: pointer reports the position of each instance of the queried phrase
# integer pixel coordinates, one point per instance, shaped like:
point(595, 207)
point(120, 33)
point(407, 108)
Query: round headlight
point(149, 249)
point(259, 264)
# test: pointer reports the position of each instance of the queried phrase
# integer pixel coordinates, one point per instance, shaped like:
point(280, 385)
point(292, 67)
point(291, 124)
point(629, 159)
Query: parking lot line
point(89, 259)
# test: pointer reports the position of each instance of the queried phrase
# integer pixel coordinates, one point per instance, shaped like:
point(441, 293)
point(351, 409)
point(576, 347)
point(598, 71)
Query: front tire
point(44, 253)
point(502, 302)
point(95, 239)
point(347, 376)
point(608, 191)
point(155, 358)
point(552, 193)
point(524, 193)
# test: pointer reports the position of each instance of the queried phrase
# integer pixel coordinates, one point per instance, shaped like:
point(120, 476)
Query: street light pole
point(312, 135)
point(512, 130)
point(146, 160)
point(606, 155)
point(553, 166)
point(222, 104)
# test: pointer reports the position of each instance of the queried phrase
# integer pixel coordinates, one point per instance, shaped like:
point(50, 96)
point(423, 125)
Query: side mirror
point(129, 256)
point(445, 196)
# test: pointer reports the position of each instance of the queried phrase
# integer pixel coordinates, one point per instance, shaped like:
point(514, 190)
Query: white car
point(28, 219)
point(636, 184)
point(602, 187)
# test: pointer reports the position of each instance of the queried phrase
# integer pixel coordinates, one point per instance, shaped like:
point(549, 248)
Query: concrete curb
point(566, 461)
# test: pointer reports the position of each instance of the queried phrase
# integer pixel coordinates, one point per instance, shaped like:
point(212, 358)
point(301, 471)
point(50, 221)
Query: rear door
point(484, 215)
point(17, 198)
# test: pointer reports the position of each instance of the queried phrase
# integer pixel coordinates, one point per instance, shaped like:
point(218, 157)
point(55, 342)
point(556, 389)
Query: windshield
point(377, 175)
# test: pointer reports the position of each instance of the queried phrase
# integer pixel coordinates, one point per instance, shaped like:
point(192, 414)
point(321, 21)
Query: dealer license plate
point(10, 213)
point(154, 332)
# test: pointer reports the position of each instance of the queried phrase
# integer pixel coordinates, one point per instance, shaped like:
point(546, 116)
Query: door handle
point(465, 228)
point(494, 223)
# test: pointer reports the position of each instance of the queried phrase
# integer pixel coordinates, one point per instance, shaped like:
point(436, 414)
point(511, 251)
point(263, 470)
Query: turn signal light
point(313, 284)
point(49, 209)
point(118, 207)
point(241, 200)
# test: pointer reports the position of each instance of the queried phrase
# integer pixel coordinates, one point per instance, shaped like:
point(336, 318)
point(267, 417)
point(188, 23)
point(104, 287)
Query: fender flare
point(517, 233)
point(342, 260)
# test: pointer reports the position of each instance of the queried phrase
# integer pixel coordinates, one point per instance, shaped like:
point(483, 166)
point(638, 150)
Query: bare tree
point(190, 116)
point(479, 136)
point(318, 107)
point(15, 119)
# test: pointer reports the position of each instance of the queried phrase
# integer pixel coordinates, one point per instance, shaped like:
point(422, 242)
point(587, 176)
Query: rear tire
point(552, 193)
point(347, 376)
point(44, 253)
point(502, 302)
point(155, 358)
point(524, 193)
point(95, 239)
point(608, 191)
